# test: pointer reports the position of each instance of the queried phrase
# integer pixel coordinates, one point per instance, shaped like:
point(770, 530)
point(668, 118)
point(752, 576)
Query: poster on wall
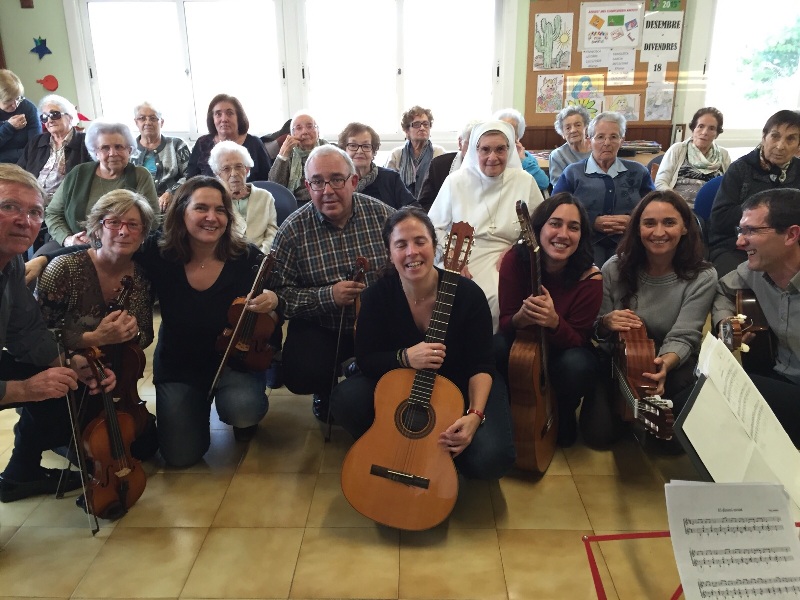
point(586, 90)
point(549, 93)
point(661, 38)
point(659, 101)
point(610, 25)
point(552, 42)
point(625, 104)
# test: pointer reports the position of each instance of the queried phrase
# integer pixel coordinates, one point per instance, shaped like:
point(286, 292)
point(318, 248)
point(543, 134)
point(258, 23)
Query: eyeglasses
point(336, 182)
point(240, 168)
point(418, 124)
point(747, 231)
point(53, 115)
point(613, 138)
point(303, 127)
point(357, 147)
point(12, 209)
point(485, 151)
point(147, 119)
point(117, 224)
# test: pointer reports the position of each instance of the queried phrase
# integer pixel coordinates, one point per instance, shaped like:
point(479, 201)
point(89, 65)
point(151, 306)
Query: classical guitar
point(758, 356)
point(397, 473)
point(533, 412)
point(635, 354)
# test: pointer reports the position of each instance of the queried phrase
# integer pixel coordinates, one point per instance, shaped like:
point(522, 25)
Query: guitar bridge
point(400, 477)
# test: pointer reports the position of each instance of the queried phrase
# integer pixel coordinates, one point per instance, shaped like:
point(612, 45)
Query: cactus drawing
point(545, 38)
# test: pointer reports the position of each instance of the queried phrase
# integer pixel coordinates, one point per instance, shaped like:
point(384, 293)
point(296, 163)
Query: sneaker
point(320, 408)
point(45, 483)
point(245, 434)
point(275, 375)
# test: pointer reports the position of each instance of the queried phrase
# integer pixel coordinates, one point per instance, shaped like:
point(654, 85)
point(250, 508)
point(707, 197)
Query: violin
point(244, 343)
point(117, 480)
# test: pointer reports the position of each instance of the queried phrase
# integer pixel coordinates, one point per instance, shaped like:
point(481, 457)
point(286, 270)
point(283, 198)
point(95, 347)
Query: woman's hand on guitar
point(665, 364)
point(345, 292)
point(426, 356)
point(116, 327)
point(265, 302)
point(537, 310)
point(81, 366)
point(459, 435)
point(621, 320)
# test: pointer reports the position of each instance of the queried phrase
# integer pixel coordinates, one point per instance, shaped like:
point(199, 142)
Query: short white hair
point(466, 130)
point(146, 104)
point(228, 147)
point(301, 113)
point(614, 117)
point(512, 114)
point(100, 127)
point(325, 150)
point(64, 105)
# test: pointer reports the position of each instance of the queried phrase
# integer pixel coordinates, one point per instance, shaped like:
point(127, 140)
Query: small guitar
point(635, 354)
point(749, 318)
point(397, 473)
point(533, 413)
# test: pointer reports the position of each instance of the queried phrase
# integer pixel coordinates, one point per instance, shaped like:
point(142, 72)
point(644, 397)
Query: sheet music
point(733, 540)
point(733, 429)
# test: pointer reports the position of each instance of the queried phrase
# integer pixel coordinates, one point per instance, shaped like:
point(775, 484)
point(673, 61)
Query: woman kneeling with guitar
point(396, 313)
point(657, 280)
point(572, 289)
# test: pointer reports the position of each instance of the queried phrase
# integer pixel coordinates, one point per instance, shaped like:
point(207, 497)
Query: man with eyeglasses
point(316, 249)
point(769, 235)
point(288, 166)
point(31, 377)
point(19, 120)
point(167, 158)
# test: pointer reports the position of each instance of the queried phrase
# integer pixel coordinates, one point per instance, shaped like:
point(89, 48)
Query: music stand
point(683, 439)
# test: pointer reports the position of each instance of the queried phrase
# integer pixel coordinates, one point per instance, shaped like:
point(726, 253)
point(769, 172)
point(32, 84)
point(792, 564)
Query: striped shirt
point(312, 255)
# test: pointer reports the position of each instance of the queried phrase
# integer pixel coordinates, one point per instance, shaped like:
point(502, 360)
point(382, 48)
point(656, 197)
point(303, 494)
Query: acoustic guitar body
point(535, 427)
point(397, 474)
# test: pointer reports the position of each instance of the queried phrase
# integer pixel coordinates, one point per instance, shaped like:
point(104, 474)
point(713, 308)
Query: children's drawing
point(593, 105)
point(552, 41)
point(585, 86)
point(625, 104)
point(659, 101)
point(550, 93)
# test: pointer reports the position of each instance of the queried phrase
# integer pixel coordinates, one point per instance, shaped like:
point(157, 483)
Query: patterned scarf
point(776, 172)
point(414, 169)
point(367, 180)
point(297, 161)
point(702, 163)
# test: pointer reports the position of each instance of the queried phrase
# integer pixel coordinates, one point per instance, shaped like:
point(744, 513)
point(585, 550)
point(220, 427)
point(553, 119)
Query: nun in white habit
point(484, 192)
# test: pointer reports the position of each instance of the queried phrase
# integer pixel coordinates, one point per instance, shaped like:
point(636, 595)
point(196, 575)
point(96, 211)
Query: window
point(343, 60)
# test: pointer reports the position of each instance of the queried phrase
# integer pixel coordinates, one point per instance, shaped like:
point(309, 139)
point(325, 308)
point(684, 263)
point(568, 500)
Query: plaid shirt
point(312, 255)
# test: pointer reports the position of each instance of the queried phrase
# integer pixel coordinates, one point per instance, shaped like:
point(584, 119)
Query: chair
point(653, 166)
point(285, 202)
point(705, 198)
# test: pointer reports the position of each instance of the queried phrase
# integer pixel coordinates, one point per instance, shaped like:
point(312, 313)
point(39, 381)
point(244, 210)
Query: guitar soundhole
point(414, 420)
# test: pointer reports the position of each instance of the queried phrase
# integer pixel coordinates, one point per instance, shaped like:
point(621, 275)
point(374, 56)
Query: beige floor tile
point(642, 568)
point(614, 504)
point(277, 450)
point(530, 554)
point(287, 411)
point(356, 562)
point(162, 558)
point(223, 457)
point(178, 500)
point(6, 533)
point(245, 563)
point(335, 450)
point(63, 513)
point(625, 458)
point(549, 503)
point(13, 514)
point(451, 563)
point(47, 561)
point(330, 508)
point(267, 500)
point(473, 509)
point(674, 467)
point(559, 464)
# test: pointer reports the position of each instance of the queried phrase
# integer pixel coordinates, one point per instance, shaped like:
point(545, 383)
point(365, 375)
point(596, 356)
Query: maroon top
point(577, 306)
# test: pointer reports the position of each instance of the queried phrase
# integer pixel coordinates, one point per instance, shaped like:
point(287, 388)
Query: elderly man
point(166, 158)
point(606, 185)
point(288, 166)
point(769, 234)
point(529, 162)
point(316, 250)
point(442, 166)
point(30, 373)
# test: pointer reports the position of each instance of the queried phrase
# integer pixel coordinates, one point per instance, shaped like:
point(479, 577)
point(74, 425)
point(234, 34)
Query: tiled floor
point(268, 520)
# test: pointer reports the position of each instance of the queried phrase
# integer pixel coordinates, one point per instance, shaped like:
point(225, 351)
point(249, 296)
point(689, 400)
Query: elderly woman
point(414, 158)
point(772, 165)
point(688, 165)
point(529, 163)
point(608, 186)
point(288, 168)
point(361, 142)
point(166, 158)
point(254, 208)
point(226, 120)
point(571, 124)
point(18, 118)
point(110, 145)
point(484, 192)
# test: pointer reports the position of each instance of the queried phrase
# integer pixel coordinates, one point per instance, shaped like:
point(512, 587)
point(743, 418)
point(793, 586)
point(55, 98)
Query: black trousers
point(310, 357)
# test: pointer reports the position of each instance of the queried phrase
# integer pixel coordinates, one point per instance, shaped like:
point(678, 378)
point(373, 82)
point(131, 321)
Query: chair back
point(654, 165)
point(705, 198)
point(285, 202)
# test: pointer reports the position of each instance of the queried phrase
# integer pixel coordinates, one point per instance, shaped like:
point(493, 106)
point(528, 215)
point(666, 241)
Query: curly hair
point(408, 116)
point(688, 260)
point(356, 128)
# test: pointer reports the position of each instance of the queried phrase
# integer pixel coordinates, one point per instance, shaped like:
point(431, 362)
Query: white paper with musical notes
point(733, 540)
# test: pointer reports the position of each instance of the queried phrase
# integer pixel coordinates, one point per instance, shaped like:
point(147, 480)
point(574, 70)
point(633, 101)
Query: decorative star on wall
point(41, 47)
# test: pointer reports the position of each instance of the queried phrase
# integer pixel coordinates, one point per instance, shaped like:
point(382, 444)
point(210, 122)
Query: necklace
point(428, 294)
point(485, 202)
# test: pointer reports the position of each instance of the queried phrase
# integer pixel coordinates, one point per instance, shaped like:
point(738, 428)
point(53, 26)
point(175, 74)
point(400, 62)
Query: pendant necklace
point(485, 202)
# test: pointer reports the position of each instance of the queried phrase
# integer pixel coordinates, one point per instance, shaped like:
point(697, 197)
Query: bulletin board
point(605, 55)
